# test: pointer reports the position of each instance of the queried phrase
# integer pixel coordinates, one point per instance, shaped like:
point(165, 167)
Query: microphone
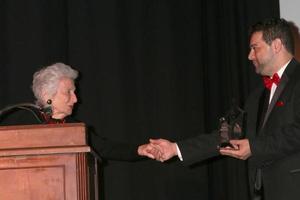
point(25, 106)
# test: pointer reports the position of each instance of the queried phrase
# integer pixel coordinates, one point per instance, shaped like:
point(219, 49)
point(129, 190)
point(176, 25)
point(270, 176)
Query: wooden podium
point(44, 162)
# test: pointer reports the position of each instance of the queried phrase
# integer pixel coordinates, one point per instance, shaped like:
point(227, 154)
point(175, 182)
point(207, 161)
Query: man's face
point(64, 99)
point(261, 54)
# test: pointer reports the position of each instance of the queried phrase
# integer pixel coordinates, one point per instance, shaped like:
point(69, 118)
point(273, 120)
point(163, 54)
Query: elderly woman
point(54, 90)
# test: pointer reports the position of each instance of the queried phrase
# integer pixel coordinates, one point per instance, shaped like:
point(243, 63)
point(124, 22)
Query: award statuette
point(232, 126)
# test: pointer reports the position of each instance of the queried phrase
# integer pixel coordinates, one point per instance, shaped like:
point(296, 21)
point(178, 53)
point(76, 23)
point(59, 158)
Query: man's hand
point(149, 150)
point(241, 151)
point(166, 148)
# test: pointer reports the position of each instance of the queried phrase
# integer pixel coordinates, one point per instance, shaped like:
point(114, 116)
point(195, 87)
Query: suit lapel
point(278, 91)
point(262, 109)
point(283, 82)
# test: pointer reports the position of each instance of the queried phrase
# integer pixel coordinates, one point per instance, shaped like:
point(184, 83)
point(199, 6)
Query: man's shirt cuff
point(178, 152)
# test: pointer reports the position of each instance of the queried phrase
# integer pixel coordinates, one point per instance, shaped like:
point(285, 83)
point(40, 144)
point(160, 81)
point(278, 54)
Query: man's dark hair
point(275, 28)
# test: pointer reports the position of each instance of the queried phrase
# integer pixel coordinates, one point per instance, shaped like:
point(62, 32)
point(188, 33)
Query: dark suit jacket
point(275, 147)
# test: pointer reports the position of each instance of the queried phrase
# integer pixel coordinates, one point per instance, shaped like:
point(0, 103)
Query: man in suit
point(272, 146)
point(272, 143)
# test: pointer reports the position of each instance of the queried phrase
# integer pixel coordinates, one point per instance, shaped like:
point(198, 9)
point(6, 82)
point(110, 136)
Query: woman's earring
point(49, 101)
point(48, 109)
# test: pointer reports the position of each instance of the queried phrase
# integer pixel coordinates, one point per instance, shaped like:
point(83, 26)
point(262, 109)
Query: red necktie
point(269, 81)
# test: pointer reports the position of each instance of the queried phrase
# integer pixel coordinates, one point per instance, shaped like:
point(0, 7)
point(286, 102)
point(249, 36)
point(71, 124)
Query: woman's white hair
point(45, 81)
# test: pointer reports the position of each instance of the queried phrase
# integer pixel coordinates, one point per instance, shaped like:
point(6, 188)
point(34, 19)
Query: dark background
point(149, 69)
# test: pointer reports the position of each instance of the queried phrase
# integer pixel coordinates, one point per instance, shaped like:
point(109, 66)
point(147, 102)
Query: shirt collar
point(280, 72)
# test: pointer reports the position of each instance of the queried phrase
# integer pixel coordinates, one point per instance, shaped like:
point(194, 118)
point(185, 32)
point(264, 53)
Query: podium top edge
point(41, 126)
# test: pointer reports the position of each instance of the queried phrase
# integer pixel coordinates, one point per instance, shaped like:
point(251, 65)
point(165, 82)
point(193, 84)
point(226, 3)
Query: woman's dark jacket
point(105, 148)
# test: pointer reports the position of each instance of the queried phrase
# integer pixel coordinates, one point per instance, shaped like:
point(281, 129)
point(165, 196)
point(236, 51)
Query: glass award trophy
point(232, 126)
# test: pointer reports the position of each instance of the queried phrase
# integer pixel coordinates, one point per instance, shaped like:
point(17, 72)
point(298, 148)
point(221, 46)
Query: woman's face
point(64, 99)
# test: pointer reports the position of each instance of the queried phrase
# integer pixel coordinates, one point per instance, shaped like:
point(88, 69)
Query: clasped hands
point(158, 149)
point(162, 149)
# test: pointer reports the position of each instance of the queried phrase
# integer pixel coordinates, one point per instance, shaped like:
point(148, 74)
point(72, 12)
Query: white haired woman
point(54, 89)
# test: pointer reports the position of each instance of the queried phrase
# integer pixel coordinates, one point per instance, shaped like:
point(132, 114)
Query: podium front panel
point(47, 177)
point(44, 162)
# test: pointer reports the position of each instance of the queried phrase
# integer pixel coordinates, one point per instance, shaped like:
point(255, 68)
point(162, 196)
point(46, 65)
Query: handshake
point(162, 149)
point(229, 134)
point(158, 149)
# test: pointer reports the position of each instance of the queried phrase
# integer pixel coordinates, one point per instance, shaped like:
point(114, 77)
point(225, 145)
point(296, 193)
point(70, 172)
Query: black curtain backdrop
point(149, 69)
